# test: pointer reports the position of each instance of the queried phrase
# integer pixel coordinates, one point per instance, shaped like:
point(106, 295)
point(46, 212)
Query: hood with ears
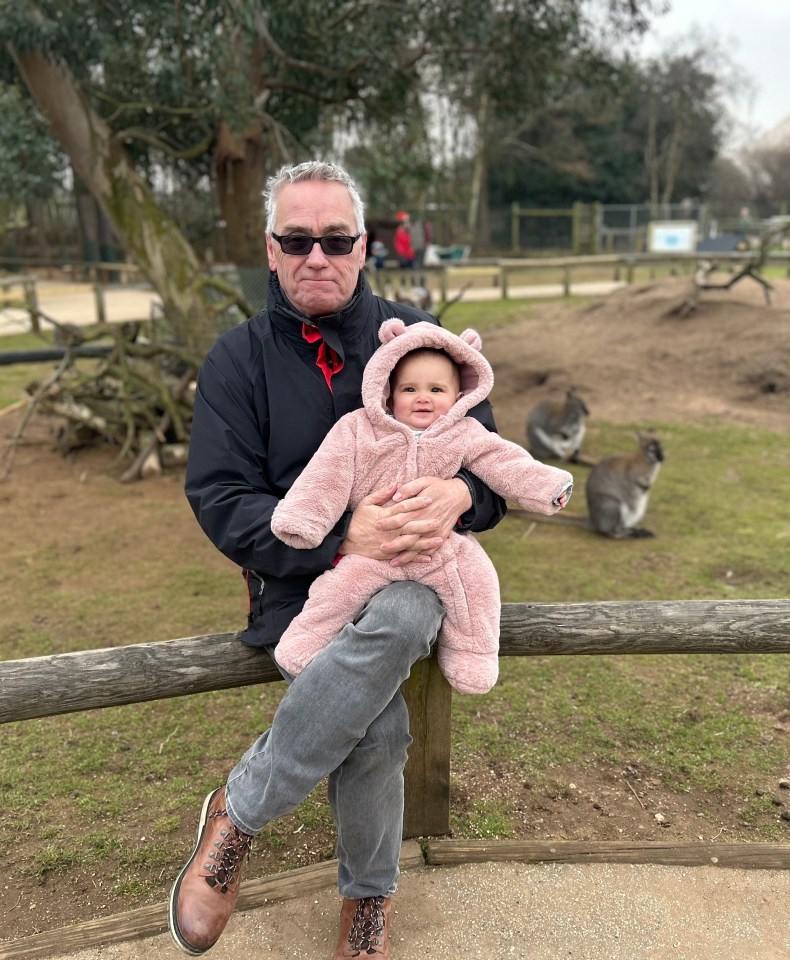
point(398, 339)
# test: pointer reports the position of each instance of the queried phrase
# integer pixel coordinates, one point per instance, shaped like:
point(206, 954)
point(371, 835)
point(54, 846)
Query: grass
point(87, 788)
point(14, 378)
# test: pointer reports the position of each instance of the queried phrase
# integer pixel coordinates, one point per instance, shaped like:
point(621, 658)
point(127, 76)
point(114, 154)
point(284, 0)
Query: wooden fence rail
point(115, 676)
point(445, 280)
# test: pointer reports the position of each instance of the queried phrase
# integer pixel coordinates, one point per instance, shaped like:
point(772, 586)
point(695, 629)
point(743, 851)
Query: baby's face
point(424, 388)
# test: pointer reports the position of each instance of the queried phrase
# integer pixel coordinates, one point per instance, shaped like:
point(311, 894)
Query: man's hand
point(420, 516)
point(365, 537)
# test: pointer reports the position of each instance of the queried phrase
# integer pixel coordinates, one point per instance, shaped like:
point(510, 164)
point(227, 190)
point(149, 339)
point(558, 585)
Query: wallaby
point(618, 488)
point(555, 428)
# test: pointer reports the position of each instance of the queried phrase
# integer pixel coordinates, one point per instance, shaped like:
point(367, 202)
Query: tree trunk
point(86, 216)
point(157, 245)
point(241, 179)
point(480, 170)
point(675, 152)
point(651, 157)
point(37, 219)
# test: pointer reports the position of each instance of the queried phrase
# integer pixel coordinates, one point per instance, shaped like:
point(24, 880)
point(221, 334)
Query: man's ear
point(363, 249)
point(270, 253)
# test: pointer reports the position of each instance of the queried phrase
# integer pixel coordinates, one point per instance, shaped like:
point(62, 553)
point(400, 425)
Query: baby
point(416, 391)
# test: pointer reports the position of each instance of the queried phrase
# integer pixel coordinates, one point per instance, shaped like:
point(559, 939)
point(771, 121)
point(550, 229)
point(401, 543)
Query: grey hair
point(311, 170)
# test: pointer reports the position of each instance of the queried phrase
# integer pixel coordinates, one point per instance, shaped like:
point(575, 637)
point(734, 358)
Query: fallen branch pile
point(138, 397)
point(752, 266)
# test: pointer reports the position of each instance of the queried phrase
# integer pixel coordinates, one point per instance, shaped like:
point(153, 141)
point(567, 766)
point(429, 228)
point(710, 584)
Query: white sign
point(672, 236)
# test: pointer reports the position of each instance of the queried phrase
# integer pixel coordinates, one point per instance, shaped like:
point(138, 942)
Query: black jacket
point(261, 411)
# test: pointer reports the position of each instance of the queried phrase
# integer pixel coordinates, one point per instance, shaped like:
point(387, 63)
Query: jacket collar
point(342, 326)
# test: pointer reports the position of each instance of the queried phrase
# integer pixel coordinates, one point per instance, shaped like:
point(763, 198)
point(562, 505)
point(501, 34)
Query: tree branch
point(137, 106)
point(8, 457)
point(144, 135)
point(283, 57)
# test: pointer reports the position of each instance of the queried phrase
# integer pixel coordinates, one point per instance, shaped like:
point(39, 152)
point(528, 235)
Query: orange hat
point(401, 215)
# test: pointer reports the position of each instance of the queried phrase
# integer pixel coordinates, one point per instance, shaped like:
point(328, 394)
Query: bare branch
point(283, 57)
point(144, 135)
point(136, 106)
point(43, 388)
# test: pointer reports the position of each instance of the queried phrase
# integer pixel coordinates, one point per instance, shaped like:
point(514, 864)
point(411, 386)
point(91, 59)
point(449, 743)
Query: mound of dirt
point(635, 361)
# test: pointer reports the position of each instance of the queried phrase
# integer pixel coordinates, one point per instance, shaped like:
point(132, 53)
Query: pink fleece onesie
point(368, 449)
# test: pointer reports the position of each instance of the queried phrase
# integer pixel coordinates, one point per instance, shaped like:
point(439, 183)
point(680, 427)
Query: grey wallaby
point(618, 488)
point(555, 428)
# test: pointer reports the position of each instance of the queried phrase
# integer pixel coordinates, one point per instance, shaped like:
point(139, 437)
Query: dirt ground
point(634, 361)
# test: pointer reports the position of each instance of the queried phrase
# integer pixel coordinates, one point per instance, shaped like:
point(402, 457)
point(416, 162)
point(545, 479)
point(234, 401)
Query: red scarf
point(328, 362)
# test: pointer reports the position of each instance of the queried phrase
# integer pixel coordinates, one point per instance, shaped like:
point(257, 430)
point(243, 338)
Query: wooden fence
point(28, 301)
point(447, 281)
point(92, 679)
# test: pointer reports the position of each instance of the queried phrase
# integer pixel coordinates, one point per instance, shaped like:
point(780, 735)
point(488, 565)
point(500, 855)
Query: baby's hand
point(563, 497)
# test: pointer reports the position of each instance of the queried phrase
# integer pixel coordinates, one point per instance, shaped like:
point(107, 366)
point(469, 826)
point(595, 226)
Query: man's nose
point(316, 257)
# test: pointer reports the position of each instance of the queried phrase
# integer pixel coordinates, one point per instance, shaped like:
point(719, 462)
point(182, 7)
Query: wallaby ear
point(473, 338)
point(391, 328)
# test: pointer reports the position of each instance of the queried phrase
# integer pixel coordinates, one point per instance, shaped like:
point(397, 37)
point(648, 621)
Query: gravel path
point(490, 911)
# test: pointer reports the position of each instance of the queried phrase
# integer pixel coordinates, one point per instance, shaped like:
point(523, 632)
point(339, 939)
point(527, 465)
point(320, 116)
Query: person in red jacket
point(403, 246)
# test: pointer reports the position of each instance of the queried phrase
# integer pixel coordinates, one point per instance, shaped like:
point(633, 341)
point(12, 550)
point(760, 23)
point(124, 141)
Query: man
point(268, 393)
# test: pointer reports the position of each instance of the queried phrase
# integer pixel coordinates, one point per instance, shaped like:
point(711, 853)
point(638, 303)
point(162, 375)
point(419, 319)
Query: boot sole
point(172, 920)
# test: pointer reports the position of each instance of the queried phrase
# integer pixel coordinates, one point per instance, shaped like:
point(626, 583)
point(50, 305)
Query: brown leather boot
point(205, 893)
point(364, 929)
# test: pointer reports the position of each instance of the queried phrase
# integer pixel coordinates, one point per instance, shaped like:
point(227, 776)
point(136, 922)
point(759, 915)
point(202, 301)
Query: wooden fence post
point(427, 776)
point(101, 311)
point(31, 296)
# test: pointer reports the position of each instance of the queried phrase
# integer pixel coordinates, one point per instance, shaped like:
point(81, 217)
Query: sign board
point(672, 236)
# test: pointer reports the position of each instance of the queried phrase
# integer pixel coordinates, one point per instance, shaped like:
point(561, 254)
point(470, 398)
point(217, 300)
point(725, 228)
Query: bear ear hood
point(398, 339)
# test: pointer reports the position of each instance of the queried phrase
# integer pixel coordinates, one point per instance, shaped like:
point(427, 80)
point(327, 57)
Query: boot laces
point(367, 929)
point(232, 849)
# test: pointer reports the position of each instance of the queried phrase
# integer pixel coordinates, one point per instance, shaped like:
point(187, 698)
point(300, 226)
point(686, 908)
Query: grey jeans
point(344, 717)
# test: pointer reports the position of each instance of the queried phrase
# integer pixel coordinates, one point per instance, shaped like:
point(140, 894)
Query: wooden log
point(111, 677)
point(648, 626)
point(744, 856)
point(114, 676)
point(151, 921)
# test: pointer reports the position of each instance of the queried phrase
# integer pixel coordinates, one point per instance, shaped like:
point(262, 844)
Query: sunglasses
point(299, 245)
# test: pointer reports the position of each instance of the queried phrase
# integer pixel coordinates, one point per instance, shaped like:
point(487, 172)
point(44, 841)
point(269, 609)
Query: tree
point(770, 176)
point(513, 65)
point(229, 90)
point(30, 166)
point(682, 121)
point(106, 169)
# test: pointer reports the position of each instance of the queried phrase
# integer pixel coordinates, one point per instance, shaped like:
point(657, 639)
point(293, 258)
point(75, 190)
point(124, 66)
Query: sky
point(755, 34)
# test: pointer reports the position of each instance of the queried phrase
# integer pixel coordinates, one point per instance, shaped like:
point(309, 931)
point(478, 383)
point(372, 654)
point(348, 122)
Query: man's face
point(315, 283)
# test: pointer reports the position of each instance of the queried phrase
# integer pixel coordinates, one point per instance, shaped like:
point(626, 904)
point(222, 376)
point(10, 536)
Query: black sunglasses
point(298, 245)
